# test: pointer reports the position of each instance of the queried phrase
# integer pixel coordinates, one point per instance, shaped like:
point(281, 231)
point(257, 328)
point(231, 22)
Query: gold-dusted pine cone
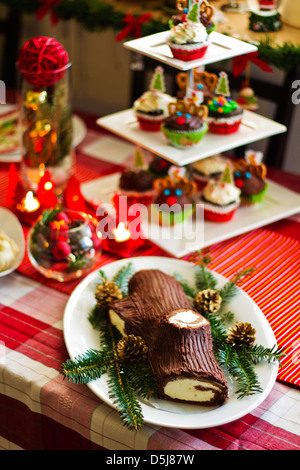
point(241, 334)
point(207, 301)
point(107, 292)
point(132, 349)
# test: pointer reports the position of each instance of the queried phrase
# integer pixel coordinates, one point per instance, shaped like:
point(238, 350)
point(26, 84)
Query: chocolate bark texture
point(179, 340)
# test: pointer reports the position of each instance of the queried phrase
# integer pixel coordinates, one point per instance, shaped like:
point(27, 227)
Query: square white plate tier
point(221, 47)
point(253, 128)
point(192, 235)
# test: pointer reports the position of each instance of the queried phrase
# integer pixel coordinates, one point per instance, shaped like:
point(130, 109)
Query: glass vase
point(66, 247)
point(46, 129)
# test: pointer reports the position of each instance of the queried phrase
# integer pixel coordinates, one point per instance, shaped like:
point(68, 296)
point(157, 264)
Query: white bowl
point(10, 224)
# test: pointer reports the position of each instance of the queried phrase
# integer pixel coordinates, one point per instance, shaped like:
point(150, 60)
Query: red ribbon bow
point(133, 26)
point(240, 63)
point(48, 6)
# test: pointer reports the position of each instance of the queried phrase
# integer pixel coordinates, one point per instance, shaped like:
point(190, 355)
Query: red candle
point(28, 209)
point(46, 192)
point(120, 241)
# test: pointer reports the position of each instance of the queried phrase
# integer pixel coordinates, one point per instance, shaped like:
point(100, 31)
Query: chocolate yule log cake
point(179, 340)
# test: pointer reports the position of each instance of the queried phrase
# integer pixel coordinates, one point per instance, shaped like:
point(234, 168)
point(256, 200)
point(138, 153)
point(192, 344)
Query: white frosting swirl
point(153, 100)
point(221, 193)
point(188, 32)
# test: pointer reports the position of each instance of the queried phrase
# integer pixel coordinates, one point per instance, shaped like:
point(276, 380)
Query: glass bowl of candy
point(64, 244)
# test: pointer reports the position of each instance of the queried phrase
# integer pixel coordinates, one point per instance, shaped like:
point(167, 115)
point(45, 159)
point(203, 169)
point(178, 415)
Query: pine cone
point(107, 292)
point(132, 349)
point(207, 301)
point(241, 334)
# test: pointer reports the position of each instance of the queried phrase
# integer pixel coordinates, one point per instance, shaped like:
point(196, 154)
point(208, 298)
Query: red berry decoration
point(63, 216)
point(171, 200)
point(239, 183)
point(42, 61)
point(180, 120)
point(59, 230)
point(61, 250)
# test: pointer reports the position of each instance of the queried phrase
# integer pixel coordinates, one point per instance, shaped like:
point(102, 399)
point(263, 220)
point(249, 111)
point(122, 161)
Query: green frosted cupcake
point(185, 126)
point(174, 202)
point(250, 179)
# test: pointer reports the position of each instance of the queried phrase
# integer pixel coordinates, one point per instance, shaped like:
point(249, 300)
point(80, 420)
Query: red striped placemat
point(274, 286)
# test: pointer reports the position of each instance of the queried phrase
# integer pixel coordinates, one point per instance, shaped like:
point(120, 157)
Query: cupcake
point(136, 183)
point(185, 126)
point(174, 202)
point(188, 40)
point(151, 108)
point(249, 177)
point(208, 168)
point(206, 14)
point(224, 114)
point(247, 98)
point(220, 199)
point(159, 167)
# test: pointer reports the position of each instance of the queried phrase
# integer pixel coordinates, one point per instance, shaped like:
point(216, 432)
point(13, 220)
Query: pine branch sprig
point(88, 366)
point(121, 389)
point(141, 379)
point(229, 289)
point(218, 331)
point(122, 278)
point(102, 275)
point(188, 290)
point(97, 315)
point(241, 369)
point(204, 278)
point(122, 395)
point(225, 316)
point(257, 353)
point(50, 214)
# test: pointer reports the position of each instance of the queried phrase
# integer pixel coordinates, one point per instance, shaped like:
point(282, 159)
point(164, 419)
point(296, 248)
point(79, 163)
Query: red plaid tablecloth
point(38, 410)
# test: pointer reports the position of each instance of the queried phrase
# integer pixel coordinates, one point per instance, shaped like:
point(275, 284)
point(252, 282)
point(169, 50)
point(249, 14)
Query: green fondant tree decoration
point(222, 87)
point(158, 80)
point(139, 161)
point(226, 177)
point(193, 14)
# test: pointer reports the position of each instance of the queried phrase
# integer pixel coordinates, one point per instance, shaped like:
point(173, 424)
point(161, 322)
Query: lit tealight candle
point(29, 203)
point(121, 233)
point(121, 241)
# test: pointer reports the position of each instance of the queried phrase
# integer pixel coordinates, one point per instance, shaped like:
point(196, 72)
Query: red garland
point(48, 6)
point(134, 26)
point(42, 61)
point(240, 63)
